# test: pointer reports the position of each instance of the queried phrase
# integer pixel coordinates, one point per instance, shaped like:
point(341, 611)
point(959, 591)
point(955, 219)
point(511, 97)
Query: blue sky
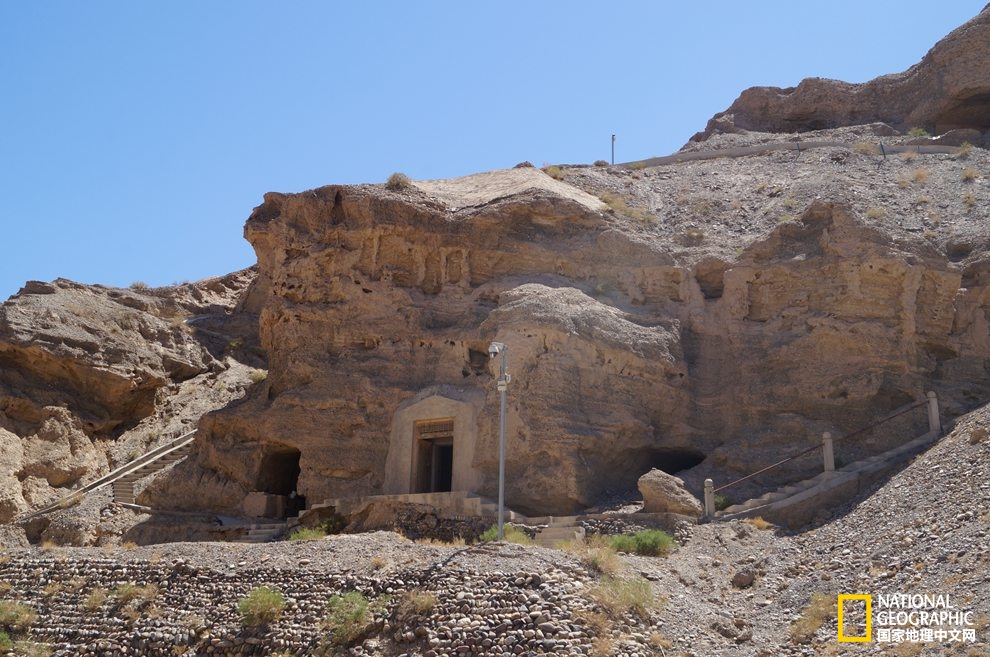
point(138, 136)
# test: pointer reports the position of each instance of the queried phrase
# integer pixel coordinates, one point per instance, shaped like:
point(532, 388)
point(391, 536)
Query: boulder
point(665, 493)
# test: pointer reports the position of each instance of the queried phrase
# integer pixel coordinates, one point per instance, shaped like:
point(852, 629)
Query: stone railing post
point(934, 424)
point(709, 498)
point(828, 452)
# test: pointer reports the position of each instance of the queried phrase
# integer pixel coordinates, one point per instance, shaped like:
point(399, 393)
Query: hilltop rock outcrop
point(948, 90)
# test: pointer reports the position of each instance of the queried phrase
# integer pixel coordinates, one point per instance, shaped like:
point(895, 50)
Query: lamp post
point(494, 349)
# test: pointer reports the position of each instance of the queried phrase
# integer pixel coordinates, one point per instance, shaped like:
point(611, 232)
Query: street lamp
point(494, 349)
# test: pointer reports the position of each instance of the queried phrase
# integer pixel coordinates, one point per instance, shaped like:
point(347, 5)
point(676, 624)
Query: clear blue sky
point(138, 136)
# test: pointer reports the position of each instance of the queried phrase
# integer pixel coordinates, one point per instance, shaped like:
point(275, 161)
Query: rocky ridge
point(92, 376)
point(949, 89)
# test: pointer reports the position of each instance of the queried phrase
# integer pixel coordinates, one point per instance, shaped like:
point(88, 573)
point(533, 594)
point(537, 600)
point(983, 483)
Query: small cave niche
point(477, 360)
point(673, 459)
point(279, 471)
point(709, 273)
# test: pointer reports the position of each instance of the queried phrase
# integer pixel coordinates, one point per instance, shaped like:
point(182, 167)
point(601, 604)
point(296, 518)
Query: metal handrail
point(148, 457)
point(874, 425)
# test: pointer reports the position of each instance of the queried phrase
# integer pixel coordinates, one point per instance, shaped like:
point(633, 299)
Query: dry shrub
point(969, 174)
point(603, 646)
point(95, 599)
point(619, 206)
point(415, 602)
point(978, 435)
point(875, 213)
point(866, 148)
point(964, 151)
point(127, 593)
point(758, 522)
point(618, 596)
point(920, 176)
point(819, 609)
point(397, 182)
point(16, 616)
point(554, 172)
point(596, 554)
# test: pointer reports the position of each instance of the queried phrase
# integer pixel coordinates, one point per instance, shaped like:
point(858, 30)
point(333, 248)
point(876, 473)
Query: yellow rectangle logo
point(868, 599)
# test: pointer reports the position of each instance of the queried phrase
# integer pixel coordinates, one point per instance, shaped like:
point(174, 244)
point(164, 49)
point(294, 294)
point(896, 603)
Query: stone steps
point(262, 532)
point(123, 487)
point(126, 495)
point(553, 536)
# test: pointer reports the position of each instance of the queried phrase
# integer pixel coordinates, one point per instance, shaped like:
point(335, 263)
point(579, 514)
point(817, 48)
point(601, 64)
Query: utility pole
point(613, 150)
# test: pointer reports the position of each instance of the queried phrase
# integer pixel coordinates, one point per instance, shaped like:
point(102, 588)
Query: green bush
point(349, 618)
point(333, 525)
point(16, 616)
point(601, 163)
point(261, 606)
point(307, 534)
point(649, 543)
point(722, 503)
point(509, 533)
point(6, 645)
point(918, 132)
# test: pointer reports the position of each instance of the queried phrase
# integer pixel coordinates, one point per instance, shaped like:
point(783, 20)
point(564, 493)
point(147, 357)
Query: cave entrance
point(434, 455)
point(675, 459)
point(279, 472)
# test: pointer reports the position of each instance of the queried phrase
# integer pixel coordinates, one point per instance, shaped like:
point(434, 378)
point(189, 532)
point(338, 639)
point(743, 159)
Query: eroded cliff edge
point(703, 331)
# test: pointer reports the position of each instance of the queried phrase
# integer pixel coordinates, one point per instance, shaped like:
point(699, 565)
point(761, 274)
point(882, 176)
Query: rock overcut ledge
point(949, 89)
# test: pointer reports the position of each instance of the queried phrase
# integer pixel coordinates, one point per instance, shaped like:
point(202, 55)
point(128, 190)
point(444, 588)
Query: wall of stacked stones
point(194, 610)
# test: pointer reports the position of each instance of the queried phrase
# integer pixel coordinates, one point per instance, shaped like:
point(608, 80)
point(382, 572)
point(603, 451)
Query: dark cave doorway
point(673, 460)
point(434, 455)
point(279, 472)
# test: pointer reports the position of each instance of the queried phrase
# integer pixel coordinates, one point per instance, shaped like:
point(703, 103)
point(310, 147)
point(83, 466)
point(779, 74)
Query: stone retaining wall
point(194, 611)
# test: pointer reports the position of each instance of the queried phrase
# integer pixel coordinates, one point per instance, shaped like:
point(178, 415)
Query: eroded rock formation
point(628, 351)
point(948, 90)
point(82, 365)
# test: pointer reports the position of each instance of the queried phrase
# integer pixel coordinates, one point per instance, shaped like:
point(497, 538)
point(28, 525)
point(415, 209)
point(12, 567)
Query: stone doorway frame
point(461, 406)
point(433, 465)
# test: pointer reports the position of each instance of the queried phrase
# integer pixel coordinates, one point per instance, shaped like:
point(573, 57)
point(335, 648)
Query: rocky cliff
point(949, 89)
point(711, 316)
point(91, 376)
point(703, 315)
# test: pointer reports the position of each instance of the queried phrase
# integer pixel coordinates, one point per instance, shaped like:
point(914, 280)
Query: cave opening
point(279, 472)
point(674, 459)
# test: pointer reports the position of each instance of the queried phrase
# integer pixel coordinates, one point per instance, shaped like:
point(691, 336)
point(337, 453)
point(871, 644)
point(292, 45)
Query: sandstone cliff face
point(948, 90)
point(82, 366)
point(629, 348)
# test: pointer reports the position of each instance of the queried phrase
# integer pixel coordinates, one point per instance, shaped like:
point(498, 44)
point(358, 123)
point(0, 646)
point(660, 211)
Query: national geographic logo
point(903, 618)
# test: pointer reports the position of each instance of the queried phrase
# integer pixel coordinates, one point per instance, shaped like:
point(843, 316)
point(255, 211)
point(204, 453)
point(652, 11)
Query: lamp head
point(495, 348)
